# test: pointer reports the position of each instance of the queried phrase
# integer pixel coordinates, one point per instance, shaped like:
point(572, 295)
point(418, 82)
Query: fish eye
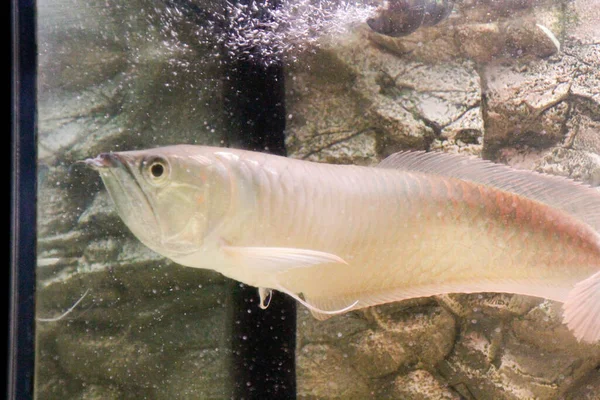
point(156, 169)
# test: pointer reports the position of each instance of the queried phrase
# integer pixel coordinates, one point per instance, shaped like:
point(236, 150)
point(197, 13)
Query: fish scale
point(486, 207)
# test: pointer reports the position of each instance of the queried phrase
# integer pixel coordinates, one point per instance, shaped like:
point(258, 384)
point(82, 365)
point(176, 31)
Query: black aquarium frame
point(263, 341)
point(21, 290)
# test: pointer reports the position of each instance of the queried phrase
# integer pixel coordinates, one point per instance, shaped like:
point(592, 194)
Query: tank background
point(121, 75)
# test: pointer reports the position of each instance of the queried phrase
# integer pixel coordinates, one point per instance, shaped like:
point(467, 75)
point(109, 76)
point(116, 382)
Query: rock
point(390, 106)
point(429, 44)
point(583, 134)
point(103, 249)
point(199, 374)
point(480, 42)
point(421, 385)
point(580, 165)
point(482, 32)
point(325, 372)
point(529, 108)
point(463, 136)
point(101, 213)
point(519, 369)
point(97, 358)
point(138, 351)
point(521, 157)
point(583, 21)
point(584, 83)
point(527, 37)
point(541, 105)
point(397, 19)
point(469, 365)
point(414, 337)
point(324, 120)
point(311, 330)
point(528, 102)
point(468, 128)
point(587, 389)
point(381, 353)
point(542, 327)
point(55, 214)
point(380, 343)
point(150, 63)
point(457, 147)
point(50, 379)
point(64, 246)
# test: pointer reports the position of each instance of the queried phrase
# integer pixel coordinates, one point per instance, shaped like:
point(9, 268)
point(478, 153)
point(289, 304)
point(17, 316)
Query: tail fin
point(582, 309)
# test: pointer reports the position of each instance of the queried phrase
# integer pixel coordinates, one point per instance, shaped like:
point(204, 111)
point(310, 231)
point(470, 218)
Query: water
point(289, 28)
point(488, 80)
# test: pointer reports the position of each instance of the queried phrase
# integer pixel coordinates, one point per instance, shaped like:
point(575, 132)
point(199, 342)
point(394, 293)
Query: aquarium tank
point(336, 82)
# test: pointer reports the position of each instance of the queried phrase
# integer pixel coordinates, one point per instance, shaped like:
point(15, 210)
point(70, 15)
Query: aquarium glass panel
point(417, 217)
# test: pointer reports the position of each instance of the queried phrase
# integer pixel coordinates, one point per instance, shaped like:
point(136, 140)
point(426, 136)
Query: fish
point(344, 237)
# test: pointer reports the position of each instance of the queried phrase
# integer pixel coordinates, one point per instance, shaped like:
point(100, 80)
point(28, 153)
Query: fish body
point(348, 237)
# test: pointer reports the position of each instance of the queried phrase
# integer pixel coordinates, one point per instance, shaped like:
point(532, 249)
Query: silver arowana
point(339, 238)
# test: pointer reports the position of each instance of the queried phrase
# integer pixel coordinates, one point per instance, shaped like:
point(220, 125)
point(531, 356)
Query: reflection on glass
point(514, 82)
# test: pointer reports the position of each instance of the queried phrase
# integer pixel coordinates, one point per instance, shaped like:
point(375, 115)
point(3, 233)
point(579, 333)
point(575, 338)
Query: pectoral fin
point(279, 259)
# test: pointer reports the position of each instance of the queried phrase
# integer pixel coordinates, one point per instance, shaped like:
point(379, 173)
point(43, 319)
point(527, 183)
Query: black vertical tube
point(23, 203)
point(255, 106)
point(263, 340)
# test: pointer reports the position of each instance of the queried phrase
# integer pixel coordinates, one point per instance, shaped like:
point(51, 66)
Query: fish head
point(171, 198)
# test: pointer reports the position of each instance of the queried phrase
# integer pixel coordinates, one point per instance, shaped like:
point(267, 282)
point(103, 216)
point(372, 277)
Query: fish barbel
point(342, 237)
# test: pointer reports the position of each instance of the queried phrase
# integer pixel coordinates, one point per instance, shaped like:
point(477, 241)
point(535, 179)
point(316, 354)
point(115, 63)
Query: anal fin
point(342, 304)
point(316, 310)
point(372, 298)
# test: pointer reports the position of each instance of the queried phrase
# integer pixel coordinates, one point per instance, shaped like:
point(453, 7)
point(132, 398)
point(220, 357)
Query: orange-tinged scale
point(488, 200)
point(470, 194)
point(507, 208)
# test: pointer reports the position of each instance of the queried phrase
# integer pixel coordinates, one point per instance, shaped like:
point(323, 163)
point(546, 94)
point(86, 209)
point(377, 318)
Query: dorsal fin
point(580, 200)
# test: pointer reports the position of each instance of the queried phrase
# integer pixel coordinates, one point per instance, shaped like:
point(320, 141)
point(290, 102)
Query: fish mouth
point(130, 199)
point(103, 161)
point(115, 166)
